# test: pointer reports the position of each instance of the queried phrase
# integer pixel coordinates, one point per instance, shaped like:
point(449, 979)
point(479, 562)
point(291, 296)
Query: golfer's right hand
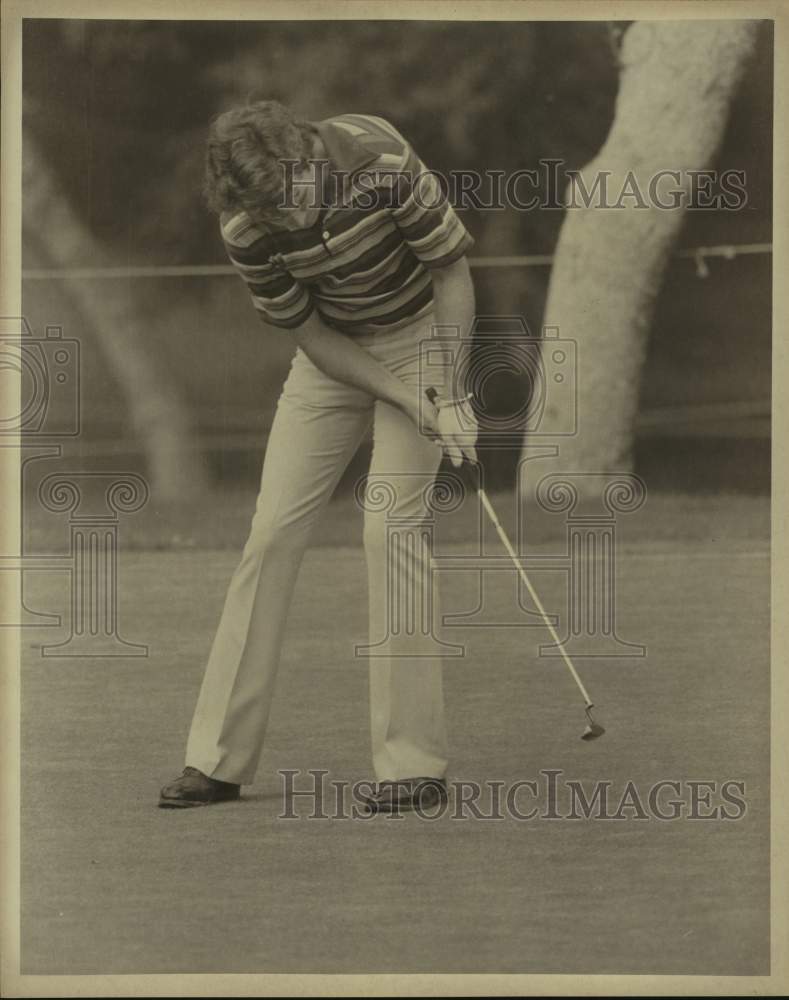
point(426, 418)
point(458, 428)
point(452, 425)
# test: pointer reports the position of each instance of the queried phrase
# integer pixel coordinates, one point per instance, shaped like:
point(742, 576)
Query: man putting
point(344, 240)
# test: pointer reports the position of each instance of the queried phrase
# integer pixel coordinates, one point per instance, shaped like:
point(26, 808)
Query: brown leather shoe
point(193, 788)
point(407, 795)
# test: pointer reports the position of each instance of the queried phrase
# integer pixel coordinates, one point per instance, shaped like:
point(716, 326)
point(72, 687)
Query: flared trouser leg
point(406, 701)
point(316, 430)
point(318, 426)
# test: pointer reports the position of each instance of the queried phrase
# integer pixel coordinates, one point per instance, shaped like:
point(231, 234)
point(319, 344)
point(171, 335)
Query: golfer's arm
point(453, 298)
point(340, 358)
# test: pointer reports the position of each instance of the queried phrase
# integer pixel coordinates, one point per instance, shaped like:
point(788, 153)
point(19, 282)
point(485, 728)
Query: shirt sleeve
point(425, 218)
point(280, 300)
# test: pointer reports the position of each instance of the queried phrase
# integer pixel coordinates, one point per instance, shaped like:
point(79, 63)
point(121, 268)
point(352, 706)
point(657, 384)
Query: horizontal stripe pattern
point(371, 272)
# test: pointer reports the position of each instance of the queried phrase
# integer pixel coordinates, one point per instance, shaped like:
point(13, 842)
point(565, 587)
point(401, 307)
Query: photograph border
point(15, 984)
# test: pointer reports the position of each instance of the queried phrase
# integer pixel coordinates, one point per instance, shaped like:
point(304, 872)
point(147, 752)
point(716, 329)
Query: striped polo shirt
point(365, 264)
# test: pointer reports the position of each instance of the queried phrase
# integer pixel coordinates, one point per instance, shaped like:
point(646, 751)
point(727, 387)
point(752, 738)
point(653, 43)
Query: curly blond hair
point(245, 156)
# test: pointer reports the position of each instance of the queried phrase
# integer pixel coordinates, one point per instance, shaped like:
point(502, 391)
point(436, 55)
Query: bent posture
point(344, 240)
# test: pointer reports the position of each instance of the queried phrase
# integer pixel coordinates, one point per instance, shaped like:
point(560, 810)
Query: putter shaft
point(508, 546)
point(433, 395)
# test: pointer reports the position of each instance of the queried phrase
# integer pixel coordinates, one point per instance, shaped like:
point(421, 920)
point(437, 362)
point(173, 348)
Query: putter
point(592, 729)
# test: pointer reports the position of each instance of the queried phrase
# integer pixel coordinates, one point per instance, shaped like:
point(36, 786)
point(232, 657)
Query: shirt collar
point(346, 154)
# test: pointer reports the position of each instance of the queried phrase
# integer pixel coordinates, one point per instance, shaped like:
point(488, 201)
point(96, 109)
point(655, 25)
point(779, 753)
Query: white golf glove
point(458, 428)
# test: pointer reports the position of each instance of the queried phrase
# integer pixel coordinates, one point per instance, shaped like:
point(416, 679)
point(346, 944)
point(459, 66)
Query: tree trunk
point(677, 82)
point(159, 415)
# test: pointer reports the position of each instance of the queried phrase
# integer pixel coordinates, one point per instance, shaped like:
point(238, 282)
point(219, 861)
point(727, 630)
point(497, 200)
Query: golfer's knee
point(270, 537)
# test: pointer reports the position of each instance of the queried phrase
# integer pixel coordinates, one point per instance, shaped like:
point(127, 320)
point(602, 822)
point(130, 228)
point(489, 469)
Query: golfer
point(346, 242)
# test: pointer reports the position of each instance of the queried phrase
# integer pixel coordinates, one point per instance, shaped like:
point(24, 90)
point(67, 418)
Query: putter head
point(593, 729)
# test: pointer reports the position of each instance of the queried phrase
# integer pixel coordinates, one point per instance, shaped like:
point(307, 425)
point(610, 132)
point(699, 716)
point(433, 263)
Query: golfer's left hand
point(458, 428)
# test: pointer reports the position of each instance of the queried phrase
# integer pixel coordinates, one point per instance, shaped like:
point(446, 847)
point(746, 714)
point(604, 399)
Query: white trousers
point(317, 428)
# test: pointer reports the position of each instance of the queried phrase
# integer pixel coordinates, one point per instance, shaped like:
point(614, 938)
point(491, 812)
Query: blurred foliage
point(121, 107)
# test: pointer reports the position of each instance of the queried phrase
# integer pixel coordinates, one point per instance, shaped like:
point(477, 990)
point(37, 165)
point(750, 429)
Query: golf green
point(111, 884)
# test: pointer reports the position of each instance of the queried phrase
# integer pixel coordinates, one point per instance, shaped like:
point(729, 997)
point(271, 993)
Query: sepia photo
point(388, 443)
